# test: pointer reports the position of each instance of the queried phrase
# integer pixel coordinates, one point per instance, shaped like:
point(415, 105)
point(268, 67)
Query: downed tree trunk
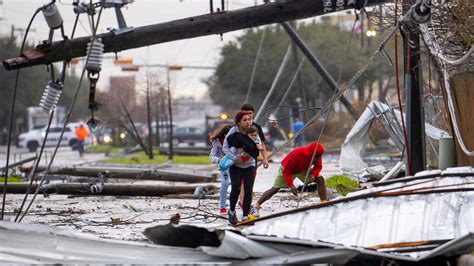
point(107, 189)
point(128, 173)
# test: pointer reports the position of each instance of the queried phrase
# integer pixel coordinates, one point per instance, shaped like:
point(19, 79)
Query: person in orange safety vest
point(81, 135)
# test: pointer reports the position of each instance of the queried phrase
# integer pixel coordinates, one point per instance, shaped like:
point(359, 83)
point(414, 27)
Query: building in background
point(189, 111)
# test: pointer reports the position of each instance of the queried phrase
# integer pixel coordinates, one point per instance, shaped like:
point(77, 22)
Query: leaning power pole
point(215, 23)
point(413, 88)
point(298, 41)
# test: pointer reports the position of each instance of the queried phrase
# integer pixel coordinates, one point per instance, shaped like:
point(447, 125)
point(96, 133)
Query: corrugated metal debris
point(423, 218)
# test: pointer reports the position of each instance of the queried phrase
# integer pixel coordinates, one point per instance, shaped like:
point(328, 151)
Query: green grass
point(141, 158)
point(11, 179)
point(342, 184)
point(102, 148)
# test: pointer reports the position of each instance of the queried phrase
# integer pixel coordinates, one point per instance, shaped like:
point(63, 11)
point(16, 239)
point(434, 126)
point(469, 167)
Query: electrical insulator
point(94, 64)
point(51, 95)
point(420, 12)
point(52, 16)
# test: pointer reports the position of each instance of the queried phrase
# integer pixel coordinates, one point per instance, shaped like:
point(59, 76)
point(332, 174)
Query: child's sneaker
point(255, 211)
point(240, 204)
point(223, 211)
point(232, 217)
point(324, 201)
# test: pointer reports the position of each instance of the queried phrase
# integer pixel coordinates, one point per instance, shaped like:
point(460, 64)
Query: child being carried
point(252, 132)
point(226, 162)
point(238, 146)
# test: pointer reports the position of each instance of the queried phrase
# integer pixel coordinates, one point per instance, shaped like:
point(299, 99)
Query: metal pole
point(275, 81)
point(414, 110)
point(318, 66)
point(301, 87)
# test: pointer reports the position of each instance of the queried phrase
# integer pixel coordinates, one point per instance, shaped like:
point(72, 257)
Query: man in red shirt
point(295, 165)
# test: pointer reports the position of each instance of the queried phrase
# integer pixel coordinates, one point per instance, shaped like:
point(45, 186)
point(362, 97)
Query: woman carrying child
point(217, 140)
point(240, 169)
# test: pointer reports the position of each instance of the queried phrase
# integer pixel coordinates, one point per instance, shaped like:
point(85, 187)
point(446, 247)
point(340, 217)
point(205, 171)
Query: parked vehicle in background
point(37, 118)
point(190, 135)
point(33, 139)
point(103, 136)
point(161, 131)
point(212, 122)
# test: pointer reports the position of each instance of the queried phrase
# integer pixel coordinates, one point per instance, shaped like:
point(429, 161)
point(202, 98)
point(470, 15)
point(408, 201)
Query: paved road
point(64, 156)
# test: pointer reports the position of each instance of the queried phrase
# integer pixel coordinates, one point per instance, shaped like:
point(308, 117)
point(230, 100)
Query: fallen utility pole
point(107, 189)
point(216, 23)
point(127, 173)
point(298, 41)
point(27, 160)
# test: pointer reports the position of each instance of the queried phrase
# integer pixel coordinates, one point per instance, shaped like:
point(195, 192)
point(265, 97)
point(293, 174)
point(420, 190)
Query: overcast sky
point(202, 51)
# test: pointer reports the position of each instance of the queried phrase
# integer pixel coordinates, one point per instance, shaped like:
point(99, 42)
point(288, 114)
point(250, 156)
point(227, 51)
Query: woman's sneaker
point(255, 211)
point(223, 211)
point(232, 217)
point(249, 218)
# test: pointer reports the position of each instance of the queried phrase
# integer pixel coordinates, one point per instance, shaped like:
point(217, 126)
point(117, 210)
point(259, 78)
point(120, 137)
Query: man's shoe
point(255, 211)
point(223, 211)
point(232, 217)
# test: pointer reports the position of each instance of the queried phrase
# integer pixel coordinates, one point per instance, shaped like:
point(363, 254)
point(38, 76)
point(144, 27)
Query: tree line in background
point(229, 86)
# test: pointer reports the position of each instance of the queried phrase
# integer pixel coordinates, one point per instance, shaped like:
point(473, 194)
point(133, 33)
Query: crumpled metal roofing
point(412, 219)
point(386, 215)
point(34, 244)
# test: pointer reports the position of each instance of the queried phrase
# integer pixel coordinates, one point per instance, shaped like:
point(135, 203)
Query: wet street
point(64, 156)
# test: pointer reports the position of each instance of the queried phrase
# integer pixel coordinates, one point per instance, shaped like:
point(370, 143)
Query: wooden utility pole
point(127, 173)
point(463, 95)
point(170, 113)
point(107, 190)
point(216, 23)
point(148, 111)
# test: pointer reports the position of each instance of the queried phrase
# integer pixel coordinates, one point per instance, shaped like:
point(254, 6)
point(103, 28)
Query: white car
point(34, 138)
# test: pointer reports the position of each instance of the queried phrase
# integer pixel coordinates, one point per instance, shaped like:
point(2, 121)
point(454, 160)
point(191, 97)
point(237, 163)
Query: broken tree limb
point(216, 23)
point(128, 173)
point(107, 190)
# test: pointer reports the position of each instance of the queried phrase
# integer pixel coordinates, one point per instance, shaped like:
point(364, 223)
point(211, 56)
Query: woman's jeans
point(225, 182)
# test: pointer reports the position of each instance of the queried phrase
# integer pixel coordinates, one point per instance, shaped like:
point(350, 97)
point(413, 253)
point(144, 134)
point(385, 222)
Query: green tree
point(228, 87)
point(32, 82)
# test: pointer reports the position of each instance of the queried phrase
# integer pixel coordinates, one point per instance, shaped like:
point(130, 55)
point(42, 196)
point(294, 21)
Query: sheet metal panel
point(373, 221)
point(40, 244)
